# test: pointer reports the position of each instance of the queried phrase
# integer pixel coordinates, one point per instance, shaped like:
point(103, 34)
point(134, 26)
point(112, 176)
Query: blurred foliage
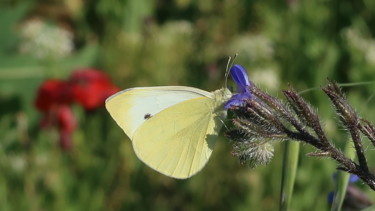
point(172, 42)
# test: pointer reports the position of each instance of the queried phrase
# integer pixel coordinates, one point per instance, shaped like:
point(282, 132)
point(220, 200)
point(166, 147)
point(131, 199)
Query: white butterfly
point(173, 128)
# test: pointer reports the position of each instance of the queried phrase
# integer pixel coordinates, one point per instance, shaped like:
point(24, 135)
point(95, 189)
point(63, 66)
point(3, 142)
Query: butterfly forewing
point(130, 107)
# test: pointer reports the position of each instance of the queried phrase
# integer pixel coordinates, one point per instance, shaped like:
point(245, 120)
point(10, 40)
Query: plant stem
point(342, 181)
point(290, 161)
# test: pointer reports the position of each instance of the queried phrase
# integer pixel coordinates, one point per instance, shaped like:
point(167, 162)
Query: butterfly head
point(221, 96)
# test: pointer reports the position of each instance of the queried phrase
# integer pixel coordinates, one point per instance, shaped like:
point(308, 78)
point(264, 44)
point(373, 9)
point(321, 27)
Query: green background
point(174, 42)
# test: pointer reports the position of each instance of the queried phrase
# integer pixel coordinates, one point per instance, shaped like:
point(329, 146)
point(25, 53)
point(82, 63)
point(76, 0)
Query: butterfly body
point(180, 131)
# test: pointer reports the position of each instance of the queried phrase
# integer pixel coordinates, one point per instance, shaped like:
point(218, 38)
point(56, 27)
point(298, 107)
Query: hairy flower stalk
point(368, 130)
point(259, 119)
point(248, 147)
point(349, 118)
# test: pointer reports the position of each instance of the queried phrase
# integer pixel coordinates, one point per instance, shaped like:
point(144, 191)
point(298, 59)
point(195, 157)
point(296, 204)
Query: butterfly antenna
point(229, 65)
point(227, 72)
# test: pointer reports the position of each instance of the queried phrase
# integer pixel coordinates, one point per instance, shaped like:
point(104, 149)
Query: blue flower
point(240, 77)
point(352, 179)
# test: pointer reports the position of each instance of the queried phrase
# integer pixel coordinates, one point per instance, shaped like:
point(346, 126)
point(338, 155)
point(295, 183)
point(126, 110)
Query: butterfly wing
point(179, 140)
point(132, 107)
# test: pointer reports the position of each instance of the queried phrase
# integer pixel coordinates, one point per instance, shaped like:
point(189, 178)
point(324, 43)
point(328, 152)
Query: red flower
point(66, 125)
point(91, 87)
point(88, 87)
point(65, 119)
point(53, 92)
point(62, 118)
point(52, 100)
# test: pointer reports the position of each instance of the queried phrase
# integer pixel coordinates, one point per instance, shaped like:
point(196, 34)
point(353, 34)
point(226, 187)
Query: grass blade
point(342, 181)
point(290, 162)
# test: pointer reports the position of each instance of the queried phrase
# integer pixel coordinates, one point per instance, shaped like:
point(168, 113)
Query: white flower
point(44, 40)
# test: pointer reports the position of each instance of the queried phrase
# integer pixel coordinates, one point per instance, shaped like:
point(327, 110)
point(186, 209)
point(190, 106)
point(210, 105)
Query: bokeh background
point(169, 42)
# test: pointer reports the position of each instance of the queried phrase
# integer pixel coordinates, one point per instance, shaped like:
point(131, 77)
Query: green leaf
point(24, 67)
point(9, 18)
point(84, 58)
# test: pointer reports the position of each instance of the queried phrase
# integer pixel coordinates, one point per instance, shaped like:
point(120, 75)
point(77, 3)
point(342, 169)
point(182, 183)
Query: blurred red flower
point(52, 100)
point(52, 92)
point(87, 87)
point(91, 87)
point(61, 116)
point(66, 125)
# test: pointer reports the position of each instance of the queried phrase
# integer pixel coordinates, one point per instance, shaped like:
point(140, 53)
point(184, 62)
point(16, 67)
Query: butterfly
point(173, 129)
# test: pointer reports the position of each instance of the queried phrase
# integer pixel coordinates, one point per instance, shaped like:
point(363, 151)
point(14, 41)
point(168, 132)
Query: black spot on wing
point(147, 116)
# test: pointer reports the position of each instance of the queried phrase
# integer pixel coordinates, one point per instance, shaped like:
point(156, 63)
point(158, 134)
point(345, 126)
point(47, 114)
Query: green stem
point(290, 162)
point(342, 181)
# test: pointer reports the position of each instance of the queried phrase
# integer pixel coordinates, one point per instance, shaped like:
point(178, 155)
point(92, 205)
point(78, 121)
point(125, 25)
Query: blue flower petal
point(241, 79)
point(237, 99)
point(353, 178)
point(239, 76)
point(330, 197)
